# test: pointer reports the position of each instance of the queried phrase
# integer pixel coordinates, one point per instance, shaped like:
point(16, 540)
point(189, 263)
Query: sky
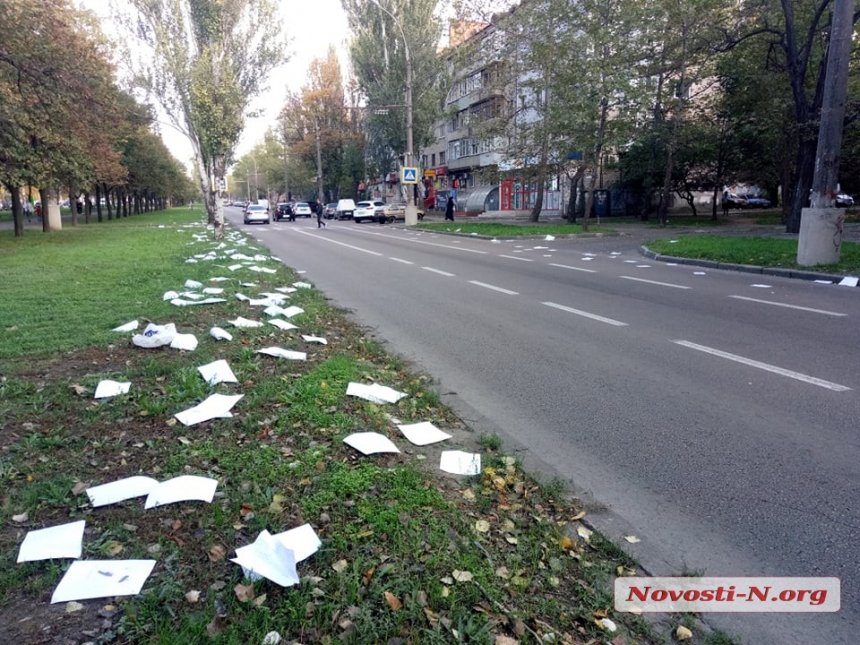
point(312, 26)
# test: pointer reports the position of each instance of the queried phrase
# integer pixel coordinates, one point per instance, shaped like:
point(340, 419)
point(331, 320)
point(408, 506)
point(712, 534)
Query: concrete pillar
point(820, 236)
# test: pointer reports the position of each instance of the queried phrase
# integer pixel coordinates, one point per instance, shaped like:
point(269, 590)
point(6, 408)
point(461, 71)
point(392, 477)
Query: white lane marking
point(445, 273)
point(782, 304)
point(414, 241)
point(513, 257)
point(401, 261)
point(564, 266)
point(662, 284)
point(349, 246)
point(765, 366)
point(489, 286)
point(585, 314)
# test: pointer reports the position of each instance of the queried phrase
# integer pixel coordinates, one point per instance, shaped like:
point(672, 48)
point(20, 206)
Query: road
point(712, 414)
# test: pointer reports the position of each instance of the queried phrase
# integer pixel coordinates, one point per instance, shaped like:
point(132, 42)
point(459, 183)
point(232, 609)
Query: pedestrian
point(39, 211)
point(28, 210)
point(726, 203)
point(449, 209)
point(319, 209)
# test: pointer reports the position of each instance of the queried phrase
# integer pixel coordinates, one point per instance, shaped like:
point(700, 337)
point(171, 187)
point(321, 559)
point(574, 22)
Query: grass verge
point(753, 250)
point(409, 554)
point(493, 229)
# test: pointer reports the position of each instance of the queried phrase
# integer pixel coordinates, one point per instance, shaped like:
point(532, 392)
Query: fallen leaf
point(578, 516)
point(272, 638)
point(113, 547)
point(608, 625)
point(632, 539)
point(468, 494)
point(519, 627)
point(192, 596)
point(276, 507)
point(462, 576)
point(447, 580)
point(502, 572)
point(565, 542)
point(153, 549)
point(340, 565)
point(259, 600)
point(506, 640)
point(23, 517)
point(246, 510)
point(171, 422)
point(584, 533)
point(80, 390)
point(73, 606)
point(482, 526)
point(244, 592)
point(393, 601)
point(177, 524)
point(185, 441)
point(682, 633)
point(79, 488)
point(217, 552)
point(510, 539)
point(215, 628)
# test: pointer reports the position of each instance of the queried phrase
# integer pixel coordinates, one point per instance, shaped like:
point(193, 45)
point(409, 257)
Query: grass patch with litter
point(409, 554)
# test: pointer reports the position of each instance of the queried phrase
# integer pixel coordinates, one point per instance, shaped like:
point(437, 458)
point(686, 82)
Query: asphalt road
point(712, 414)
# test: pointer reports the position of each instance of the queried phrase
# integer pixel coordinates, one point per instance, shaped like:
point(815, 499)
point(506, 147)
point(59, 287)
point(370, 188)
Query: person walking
point(449, 209)
point(319, 209)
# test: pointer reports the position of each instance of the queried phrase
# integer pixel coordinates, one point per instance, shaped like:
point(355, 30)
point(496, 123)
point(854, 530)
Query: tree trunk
point(99, 202)
point(574, 194)
point(804, 171)
point(17, 211)
point(73, 203)
point(540, 182)
point(51, 219)
point(107, 202)
point(218, 163)
point(88, 208)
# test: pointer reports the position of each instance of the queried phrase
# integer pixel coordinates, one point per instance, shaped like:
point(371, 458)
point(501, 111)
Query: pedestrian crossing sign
point(410, 176)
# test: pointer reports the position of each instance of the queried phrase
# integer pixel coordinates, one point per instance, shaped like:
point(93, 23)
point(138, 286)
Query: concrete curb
point(511, 238)
point(797, 274)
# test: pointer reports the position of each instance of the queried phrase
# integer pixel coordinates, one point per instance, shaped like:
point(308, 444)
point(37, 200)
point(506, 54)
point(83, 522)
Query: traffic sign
point(410, 176)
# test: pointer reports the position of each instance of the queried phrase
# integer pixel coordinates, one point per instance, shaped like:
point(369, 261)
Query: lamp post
point(411, 210)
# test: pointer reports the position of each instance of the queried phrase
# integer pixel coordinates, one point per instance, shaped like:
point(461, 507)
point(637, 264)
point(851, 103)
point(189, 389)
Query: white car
point(257, 213)
point(370, 210)
point(302, 209)
point(345, 209)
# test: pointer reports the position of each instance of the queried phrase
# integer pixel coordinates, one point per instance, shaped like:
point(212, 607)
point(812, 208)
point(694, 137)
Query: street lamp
point(411, 210)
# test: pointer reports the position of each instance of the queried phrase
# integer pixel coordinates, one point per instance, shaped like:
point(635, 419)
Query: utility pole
point(320, 195)
point(821, 224)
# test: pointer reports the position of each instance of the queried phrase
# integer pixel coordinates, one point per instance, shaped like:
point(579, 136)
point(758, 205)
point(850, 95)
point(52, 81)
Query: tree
point(210, 58)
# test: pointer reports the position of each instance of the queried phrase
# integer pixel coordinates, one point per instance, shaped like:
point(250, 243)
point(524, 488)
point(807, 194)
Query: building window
point(441, 158)
point(433, 160)
point(423, 161)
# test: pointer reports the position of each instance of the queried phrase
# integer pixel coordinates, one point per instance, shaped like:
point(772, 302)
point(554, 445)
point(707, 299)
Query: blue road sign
point(410, 176)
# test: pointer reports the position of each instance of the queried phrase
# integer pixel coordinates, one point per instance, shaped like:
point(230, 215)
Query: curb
point(797, 274)
point(512, 238)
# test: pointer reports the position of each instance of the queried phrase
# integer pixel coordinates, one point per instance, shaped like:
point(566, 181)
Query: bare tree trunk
point(541, 182)
point(51, 220)
point(99, 202)
point(17, 211)
point(73, 203)
point(88, 207)
point(107, 202)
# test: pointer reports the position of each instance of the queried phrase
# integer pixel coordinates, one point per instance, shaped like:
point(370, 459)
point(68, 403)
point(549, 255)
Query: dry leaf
point(578, 516)
point(510, 539)
point(502, 572)
point(80, 390)
point(632, 539)
point(584, 533)
point(393, 601)
point(259, 600)
point(23, 517)
point(246, 510)
point(79, 488)
point(217, 552)
point(192, 596)
point(682, 633)
point(244, 592)
point(276, 507)
point(113, 547)
point(468, 494)
point(272, 638)
point(185, 441)
point(73, 606)
point(506, 640)
point(215, 627)
point(340, 565)
point(482, 526)
point(462, 576)
point(565, 542)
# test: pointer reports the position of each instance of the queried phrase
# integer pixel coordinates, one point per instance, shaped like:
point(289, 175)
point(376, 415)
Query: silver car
point(303, 209)
point(257, 213)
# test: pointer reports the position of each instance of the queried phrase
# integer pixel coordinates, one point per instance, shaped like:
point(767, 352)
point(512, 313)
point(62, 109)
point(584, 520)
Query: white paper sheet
point(220, 334)
point(108, 388)
point(240, 256)
point(268, 558)
point(216, 406)
point(155, 336)
point(190, 295)
point(129, 326)
point(849, 281)
point(823, 282)
point(282, 324)
point(370, 443)
point(235, 267)
point(375, 392)
point(260, 258)
point(283, 353)
point(218, 279)
point(460, 463)
point(62, 541)
point(182, 489)
point(302, 541)
point(187, 342)
point(217, 372)
point(242, 297)
point(170, 295)
point(213, 291)
point(244, 322)
point(761, 286)
point(190, 261)
point(87, 579)
point(180, 302)
point(262, 269)
point(248, 284)
point(274, 310)
point(549, 238)
point(286, 289)
point(289, 312)
point(121, 490)
point(193, 284)
point(302, 285)
point(277, 300)
point(315, 339)
point(423, 434)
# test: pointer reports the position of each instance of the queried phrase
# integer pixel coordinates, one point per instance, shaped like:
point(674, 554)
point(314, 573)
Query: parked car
point(303, 208)
point(756, 201)
point(283, 211)
point(345, 209)
point(257, 213)
point(397, 211)
point(369, 211)
point(731, 200)
point(843, 200)
point(330, 210)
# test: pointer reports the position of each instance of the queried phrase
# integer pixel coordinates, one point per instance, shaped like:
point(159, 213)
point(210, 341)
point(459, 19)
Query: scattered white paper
point(179, 302)
point(586, 259)
point(761, 286)
point(242, 297)
point(630, 261)
point(671, 264)
point(849, 281)
point(190, 261)
point(184, 488)
point(217, 372)
point(423, 434)
point(155, 336)
point(282, 324)
point(268, 558)
point(262, 269)
point(220, 334)
point(234, 267)
point(824, 282)
point(375, 392)
point(549, 238)
point(191, 295)
point(240, 256)
point(193, 284)
point(458, 462)
point(370, 443)
point(63, 541)
point(244, 322)
point(109, 388)
point(302, 541)
point(129, 326)
point(248, 284)
point(102, 579)
point(279, 352)
point(315, 339)
point(673, 241)
point(286, 289)
point(267, 302)
point(615, 253)
point(216, 406)
point(699, 273)
point(274, 310)
point(643, 266)
point(214, 291)
point(121, 490)
point(218, 279)
point(302, 285)
point(289, 312)
point(187, 342)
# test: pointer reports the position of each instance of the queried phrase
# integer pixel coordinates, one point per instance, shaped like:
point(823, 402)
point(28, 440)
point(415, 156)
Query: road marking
point(662, 284)
point(782, 304)
point(513, 257)
point(328, 239)
point(765, 366)
point(564, 266)
point(445, 273)
point(406, 239)
point(489, 286)
point(585, 314)
point(401, 261)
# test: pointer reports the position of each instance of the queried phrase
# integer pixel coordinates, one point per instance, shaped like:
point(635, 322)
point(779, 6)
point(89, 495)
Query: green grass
point(390, 524)
point(492, 229)
point(767, 252)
